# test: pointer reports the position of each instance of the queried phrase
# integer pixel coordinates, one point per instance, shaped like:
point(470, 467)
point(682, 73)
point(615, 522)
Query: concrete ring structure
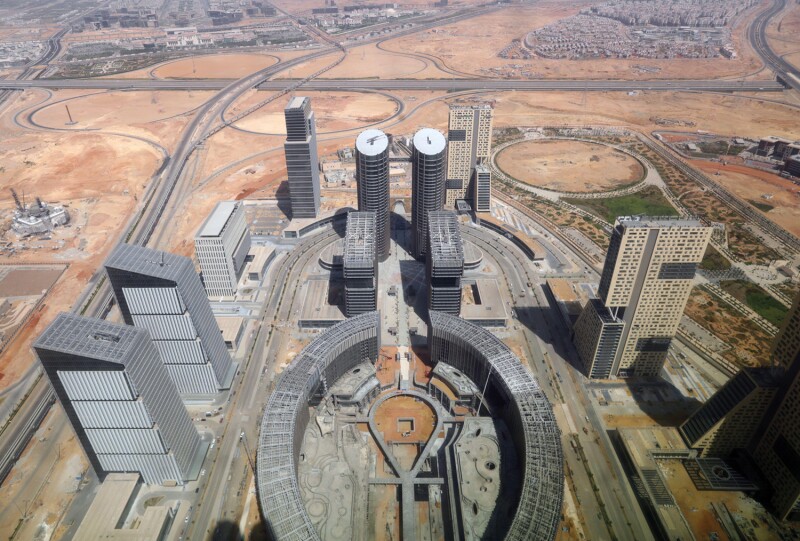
point(511, 393)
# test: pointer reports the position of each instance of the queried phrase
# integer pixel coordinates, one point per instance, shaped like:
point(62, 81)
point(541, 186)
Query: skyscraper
point(372, 179)
point(728, 420)
point(221, 245)
point(482, 189)
point(161, 292)
point(777, 450)
point(469, 142)
point(122, 404)
point(427, 183)
point(360, 264)
point(445, 262)
point(646, 280)
point(302, 162)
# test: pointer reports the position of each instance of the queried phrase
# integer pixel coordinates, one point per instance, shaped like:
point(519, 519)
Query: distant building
point(221, 246)
point(117, 395)
point(445, 262)
point(372, 179)
point(777, 451)
point(469, 142)
point(428, 163)
point(792, 166)
point(645, 283)
point(728, 420)
point(302, 161)
point(360, 264)
point(482, 189)
point(162, 293)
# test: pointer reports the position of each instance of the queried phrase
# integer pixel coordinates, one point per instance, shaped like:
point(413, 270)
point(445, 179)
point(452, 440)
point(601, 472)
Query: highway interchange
point(169, 188)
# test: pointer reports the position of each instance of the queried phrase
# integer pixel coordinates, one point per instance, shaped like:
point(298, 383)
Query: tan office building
point(469, 142)
point(646, 280)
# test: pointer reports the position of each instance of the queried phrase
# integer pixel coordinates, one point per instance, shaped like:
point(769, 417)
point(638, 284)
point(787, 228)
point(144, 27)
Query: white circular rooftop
point(429, 141)
point(372, 142)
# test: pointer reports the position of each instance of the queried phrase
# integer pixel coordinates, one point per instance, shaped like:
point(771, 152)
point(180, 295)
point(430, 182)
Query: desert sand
point(569, 166)
point(751, 184)
point(219, 66)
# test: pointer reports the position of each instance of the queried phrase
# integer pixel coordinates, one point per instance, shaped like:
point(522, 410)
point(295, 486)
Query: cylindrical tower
point(372, 178)
point(428, 168)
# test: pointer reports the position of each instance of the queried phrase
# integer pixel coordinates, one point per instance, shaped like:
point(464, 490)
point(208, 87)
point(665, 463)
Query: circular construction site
point(456, 441)
point(569, 166)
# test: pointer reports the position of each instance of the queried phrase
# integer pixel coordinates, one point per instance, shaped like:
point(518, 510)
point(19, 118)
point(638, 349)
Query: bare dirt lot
point(24, 282)
point(117, 110)
point(569, 166)
point(751, 184)
point(221, 66)
point(333, 111)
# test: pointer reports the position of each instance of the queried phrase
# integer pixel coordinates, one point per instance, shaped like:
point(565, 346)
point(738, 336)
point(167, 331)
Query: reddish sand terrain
point(220, 66)
point(751, 184)
point(569, 166)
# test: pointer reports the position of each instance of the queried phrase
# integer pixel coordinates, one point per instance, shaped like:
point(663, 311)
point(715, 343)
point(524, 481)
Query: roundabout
point(569, 166)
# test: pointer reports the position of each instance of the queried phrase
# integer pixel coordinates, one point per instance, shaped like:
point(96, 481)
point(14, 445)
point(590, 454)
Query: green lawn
point(760, 205)
point(757, 299)
point(648, 202)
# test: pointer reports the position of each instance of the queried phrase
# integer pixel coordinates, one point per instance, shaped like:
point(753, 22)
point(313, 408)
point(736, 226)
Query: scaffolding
point(445, 263)
point(304, 382)
point(488, 361)
point(360, 264)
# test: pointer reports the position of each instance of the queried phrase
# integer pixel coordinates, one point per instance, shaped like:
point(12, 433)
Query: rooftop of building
point(372, 142)
point(90, 337)
point(463, 106)
point(317, 303)
point(562, 290)
point(483, 301)
point(359, 240)
point(639, 443)
point(218, 219)
point(429, 141)
point(603, 312)
point(296, 103)
point(658, 221)
point(229, 326)
point(110, 507)
point(482, 168)
point(260, 256)
point(142, 260)
point(445, 245)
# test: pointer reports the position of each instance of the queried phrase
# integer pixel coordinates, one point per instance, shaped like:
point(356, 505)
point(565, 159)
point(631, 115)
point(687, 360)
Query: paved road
point(405, 84)
point(757, 34)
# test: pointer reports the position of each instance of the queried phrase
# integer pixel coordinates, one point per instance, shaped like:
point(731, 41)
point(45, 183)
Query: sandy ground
point(370, 61)
point(333, 111)
point(214, 66)
point(222, 66)
point(99, 177)
point(117, 110)
point(751, 184)
point(569, 166)
point(485, 36)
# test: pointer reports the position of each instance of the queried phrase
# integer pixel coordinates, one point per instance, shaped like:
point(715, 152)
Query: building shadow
point(660, 400)
point(655, 397)
point(399, 231)
point(415, 291)
point(284, 199)
point(227, 530)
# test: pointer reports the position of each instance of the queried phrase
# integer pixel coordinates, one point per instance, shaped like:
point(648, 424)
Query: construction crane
point(372, 140)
